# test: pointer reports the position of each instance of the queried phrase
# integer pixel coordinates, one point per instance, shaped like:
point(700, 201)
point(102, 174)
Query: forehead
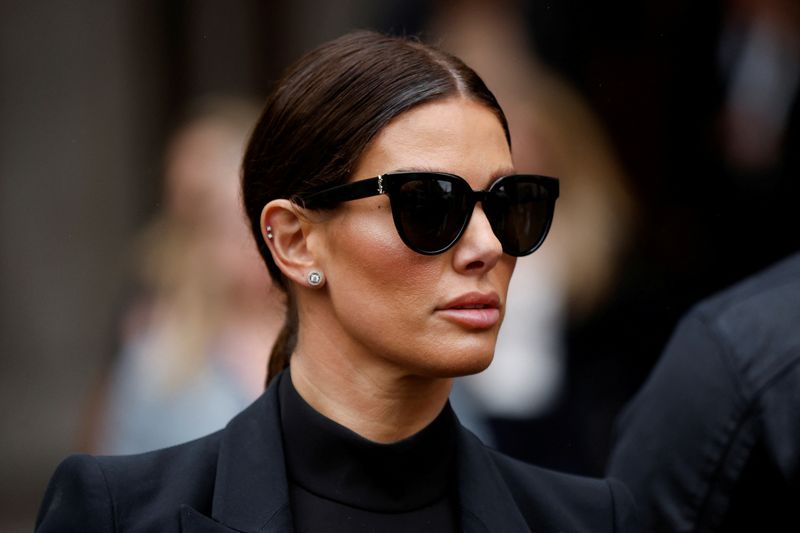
point(456, 135)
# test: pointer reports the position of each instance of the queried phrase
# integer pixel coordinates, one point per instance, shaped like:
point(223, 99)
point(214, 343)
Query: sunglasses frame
point(391, 182)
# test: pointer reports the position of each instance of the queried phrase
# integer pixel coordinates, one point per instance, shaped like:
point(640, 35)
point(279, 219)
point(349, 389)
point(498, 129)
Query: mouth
point(472, 310)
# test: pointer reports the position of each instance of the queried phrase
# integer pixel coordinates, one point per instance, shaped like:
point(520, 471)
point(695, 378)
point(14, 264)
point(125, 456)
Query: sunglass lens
point(519, 210)
point(429, 212)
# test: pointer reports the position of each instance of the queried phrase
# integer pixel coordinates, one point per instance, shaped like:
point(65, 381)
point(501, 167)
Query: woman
point(388, 300)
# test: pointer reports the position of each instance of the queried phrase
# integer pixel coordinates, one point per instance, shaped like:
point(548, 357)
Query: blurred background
point(672, 124)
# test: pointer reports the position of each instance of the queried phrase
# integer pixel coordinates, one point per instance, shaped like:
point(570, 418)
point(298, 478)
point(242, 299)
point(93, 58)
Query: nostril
point(476, 265)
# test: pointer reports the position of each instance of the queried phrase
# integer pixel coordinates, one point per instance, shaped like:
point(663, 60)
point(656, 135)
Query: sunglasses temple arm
point(340, 193)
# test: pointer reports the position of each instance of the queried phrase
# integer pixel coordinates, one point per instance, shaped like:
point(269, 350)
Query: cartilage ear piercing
point(315, 278)
point(269, 232)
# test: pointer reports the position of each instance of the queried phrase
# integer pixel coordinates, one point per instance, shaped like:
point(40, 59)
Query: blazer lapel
point(251, 491)
point(487, 504)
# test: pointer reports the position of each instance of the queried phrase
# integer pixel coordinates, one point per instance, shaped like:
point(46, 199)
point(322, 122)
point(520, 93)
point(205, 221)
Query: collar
point(251, 491)
point(331, 461)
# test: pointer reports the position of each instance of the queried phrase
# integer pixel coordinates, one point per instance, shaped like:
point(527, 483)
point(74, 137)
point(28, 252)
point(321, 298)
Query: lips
point(472, 310)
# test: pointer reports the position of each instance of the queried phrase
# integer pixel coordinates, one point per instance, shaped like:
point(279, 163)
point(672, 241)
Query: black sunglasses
point(431, 210)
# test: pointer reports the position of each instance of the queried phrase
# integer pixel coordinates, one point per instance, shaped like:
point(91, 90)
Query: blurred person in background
point(196, 339)
point(712, 441)
point(381, 191)
point(553, 130)
point(759, 57)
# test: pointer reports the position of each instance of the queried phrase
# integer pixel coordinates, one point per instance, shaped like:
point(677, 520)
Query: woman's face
point(395, 308)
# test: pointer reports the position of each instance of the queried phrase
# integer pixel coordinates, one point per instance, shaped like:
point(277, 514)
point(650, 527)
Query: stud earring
point(269, 232)
point(315, 278)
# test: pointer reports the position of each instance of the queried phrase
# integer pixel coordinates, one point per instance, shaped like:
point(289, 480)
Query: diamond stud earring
point(315, 278)
point(269, 232)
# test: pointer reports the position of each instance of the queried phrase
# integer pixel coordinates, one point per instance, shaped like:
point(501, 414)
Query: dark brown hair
point(322, 115)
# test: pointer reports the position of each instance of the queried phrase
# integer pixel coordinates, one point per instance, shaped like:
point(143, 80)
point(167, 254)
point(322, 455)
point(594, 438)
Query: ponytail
point(285, 342)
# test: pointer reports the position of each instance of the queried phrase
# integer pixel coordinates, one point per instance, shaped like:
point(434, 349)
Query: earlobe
point(283, 229)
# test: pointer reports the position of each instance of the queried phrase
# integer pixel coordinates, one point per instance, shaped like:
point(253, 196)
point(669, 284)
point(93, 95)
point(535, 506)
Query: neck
point(379, 404)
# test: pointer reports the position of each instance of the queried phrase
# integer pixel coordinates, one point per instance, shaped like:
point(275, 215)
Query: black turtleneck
point(340, 481)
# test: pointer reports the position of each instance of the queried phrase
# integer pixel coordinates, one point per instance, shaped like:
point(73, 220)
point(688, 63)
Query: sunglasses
point(431, 210)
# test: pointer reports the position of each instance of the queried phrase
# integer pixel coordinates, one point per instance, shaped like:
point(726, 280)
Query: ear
point(287, 239)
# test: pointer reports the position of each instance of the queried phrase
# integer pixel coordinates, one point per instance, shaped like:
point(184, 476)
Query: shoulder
point(729, 346)
point(130, 492)
point(77, 498)
point(728, 354)
point(548, 497)
point(766, 300)
point(721, 356)
point(751, 327)
point(772, 284)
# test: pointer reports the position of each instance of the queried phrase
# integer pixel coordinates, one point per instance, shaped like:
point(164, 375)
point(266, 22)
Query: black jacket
point(712, 441)
point(235, 480)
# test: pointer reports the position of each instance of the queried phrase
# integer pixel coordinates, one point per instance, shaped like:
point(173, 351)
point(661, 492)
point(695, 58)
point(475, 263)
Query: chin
point(463, 363)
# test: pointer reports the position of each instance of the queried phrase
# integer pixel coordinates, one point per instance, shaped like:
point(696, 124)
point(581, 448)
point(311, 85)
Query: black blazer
point(235, 480)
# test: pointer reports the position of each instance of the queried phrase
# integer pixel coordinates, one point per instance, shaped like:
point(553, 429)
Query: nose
point(478, 249)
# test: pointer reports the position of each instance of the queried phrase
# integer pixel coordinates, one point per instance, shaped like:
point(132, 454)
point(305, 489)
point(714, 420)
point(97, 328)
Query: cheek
point(504, 270)
point(380, 268)
point(383, 296)
point(371, 268)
